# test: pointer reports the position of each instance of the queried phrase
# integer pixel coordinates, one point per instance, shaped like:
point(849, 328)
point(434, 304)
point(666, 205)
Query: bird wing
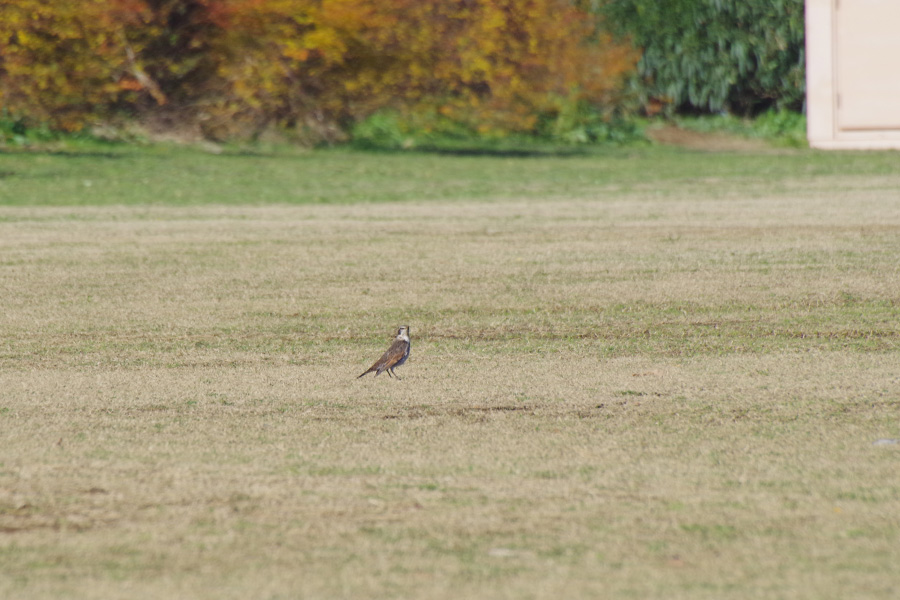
point(392, 356)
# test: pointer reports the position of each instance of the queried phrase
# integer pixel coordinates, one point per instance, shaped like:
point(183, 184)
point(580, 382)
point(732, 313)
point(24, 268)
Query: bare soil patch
point(718, 141)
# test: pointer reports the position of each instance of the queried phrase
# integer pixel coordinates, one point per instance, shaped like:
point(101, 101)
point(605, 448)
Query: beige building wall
point(853, 73)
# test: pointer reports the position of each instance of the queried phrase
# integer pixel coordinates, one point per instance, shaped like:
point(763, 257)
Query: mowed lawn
point(635, 373)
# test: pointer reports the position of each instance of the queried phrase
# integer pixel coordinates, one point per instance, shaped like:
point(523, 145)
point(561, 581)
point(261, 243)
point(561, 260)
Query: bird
point(395, 356)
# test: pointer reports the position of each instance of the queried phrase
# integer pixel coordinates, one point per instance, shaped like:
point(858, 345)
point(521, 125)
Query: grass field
point(636, 373)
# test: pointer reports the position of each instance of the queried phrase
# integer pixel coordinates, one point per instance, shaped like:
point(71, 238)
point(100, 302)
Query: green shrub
point(17, 130)
point(575, 123)
point(571, 124)
point(740, 56)
point(782, 125)
point(381, 131)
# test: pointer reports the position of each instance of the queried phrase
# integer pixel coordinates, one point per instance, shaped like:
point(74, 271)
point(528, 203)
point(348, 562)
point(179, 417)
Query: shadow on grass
point(65, 153)
point(555, 152)
point(505, 152)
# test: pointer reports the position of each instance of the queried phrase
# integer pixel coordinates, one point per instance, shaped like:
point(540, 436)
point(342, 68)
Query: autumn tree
point(312, 66)
point(59, 61)
point(71, 62)
point(493, 64)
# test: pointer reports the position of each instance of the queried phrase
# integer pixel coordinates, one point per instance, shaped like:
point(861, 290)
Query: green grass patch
point(177, 176)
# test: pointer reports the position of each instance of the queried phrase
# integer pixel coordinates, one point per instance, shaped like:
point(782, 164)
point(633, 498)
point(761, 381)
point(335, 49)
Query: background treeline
point(322, 70)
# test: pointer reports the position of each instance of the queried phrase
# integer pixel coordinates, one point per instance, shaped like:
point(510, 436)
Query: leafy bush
point(577, 123)
point(12, 130)
point(784, 125)
point(17, 130)
point(381, 131)
point(741, 56)
point(568, 125)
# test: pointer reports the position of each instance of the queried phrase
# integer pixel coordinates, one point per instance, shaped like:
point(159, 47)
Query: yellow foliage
point(61, 62)
point(494, 65)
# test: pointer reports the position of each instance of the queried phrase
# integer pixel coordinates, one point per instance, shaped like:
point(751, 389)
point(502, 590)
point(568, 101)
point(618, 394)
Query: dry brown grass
point(640, 396)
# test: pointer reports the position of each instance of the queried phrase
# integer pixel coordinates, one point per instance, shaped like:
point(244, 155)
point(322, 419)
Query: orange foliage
point(317, 65)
